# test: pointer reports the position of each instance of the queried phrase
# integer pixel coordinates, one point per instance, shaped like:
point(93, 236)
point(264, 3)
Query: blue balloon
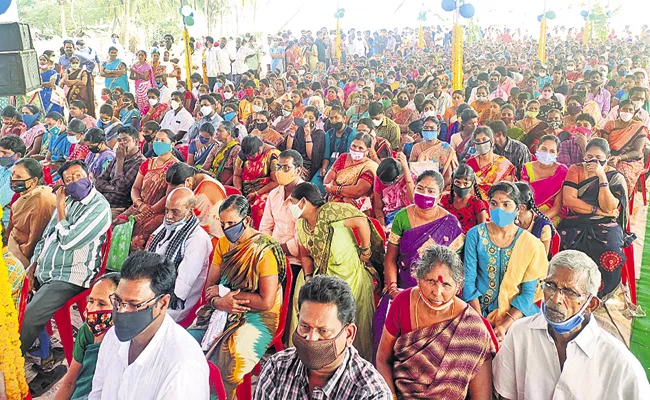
point(584, 13)
point(466, 10)
point(4, 6)
point(448, 5)
point(539, 17)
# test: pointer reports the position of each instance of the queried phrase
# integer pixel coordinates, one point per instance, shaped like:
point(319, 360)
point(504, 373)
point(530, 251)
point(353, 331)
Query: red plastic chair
point(230, 190)
point(24, 294)
point(642, 184)
point(245, 389)
point(628, 273)
point(62, 316)
point(492, 334)
point(216, 382)
point(555, 244)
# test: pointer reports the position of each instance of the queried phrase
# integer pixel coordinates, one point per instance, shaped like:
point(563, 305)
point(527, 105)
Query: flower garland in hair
point(11, 359)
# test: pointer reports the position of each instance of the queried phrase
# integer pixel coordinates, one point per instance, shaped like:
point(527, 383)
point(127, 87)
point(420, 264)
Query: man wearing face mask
point(182, 241)
point(323, 363)
point(146, 354)
point(515, 151)
point(592, 363)
point(177, 119)
point(384, 127)
point(638, 97)
point(208, 108)
point(440, 98)
point(12, 149)
point(600, 95)
point(67, 257)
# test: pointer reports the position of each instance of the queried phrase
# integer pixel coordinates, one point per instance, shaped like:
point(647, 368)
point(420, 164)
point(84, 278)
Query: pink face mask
point(547, 95)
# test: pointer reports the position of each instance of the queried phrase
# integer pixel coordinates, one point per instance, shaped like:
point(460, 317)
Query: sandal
point(44, 381)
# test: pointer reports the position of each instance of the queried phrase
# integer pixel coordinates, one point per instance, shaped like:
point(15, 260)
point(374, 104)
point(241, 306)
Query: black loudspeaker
point(19, 73)
point(15, 37)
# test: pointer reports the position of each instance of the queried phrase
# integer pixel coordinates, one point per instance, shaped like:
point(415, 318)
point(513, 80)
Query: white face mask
point(206, 110)
point(227, 95)
point(73, 139)
point(295, 210)
point(153, 102)
point(625, 116)
point(482, 99)
point(377, 122)
point(257, 108)
point(570, 68)
point(357, 155)
point(429, 113)
point(174, 104)
point(286, 113)
point(638, 104)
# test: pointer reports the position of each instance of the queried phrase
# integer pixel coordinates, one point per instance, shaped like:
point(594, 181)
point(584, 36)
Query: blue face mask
point(379, 80)
point(218, 84)
point(571, 323)
point(29, 120)
point(234, 232)
point(161, 148)
point(429, 135)
point(502, 218)
point(203, 140)
point(229, 116)
point(159, 84)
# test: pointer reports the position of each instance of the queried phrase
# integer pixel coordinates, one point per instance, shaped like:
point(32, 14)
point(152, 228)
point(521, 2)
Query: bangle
point(309, 275)
point(594, 210)
point(365, 248)
point(339, 189)
point(511, 317)
point(292, 136)
point(309, 141)
point(604, 184)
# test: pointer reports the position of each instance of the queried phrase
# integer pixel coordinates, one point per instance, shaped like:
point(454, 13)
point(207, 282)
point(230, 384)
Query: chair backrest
point(555, 244)
point(286, 301)
point(216, 382)
point(24, 294)
point(106, 248)
point(230, 190)
point(492, 335)
point(380, 228)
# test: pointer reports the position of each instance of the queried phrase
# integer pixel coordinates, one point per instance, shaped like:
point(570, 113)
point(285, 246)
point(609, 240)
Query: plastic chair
point(493, 336)
point(245, 389)
point(24, 294)
point(230, 190)
point(555, 244)
point(628, 273)
point(216, 382)
point(641, 182)
point(62, 316)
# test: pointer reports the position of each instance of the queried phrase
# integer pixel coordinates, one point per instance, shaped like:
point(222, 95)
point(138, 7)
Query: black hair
point(498, 126)
point(508, 188)
point(238, 203)
point(95, 135)
point(310, 192)
point(131, 131)
point(77, 126)
point(375, 108)
point(365, 138)
point(160, 272)
point(464, 171)
point(13, 143)
point(367, 122)
point(209, 98)
point(153, 125)
point(600, 143)
point(66, 165)
point(178, 173)
point(230, 127)
point(155, 92)
point(33, 167)
point(324, 289)
point(131, 99)
point(266, 114)
point(250, 145)
point(11, 112)
point(312, 110)
point(468, 114)
point(389, 169)
point(208, 128)
point(106, 109)
point(430, 173)
point(169, 134)
point(293, 154)
point(552, 138)
point(32, 108)
point(528, 200)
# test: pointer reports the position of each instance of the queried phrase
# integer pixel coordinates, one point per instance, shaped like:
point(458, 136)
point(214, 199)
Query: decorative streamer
point(541, 49)
point(457, 57)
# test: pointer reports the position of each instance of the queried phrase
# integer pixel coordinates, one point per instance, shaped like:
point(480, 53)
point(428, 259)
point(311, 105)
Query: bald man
point(183, 242)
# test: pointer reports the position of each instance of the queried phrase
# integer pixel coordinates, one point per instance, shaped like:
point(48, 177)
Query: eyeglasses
point(119, 305)
point(283, 168)
point(551, 288)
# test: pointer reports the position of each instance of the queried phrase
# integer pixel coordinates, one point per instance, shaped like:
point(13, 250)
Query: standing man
point(211, 61)
point(242, 54)
point(224, 61)
point(321, 47)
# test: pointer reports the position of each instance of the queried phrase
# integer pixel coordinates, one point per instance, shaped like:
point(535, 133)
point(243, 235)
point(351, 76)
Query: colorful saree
point(120, 81)
point(333, 248)
point(255, 174)
point(142, 85)
point(46, 93)
point(246, 336)
point(440, 154)
point(492, 173)
point(83, 91)
point(545, 190)
point(402, 117)
point(621, 141)
point(439, 361)
point(218, 158)
point(349, 176)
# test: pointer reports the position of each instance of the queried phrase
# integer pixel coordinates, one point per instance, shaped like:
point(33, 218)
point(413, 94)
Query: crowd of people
point(424, 241)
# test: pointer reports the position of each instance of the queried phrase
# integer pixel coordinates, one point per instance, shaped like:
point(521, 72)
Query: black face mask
point(262, 125)
point(18, 186)
point(130, 324)
point(337, 126)
point(602, 163)
point(94, 150)
point(461, 192)
point(402, 102)
point(148, 139)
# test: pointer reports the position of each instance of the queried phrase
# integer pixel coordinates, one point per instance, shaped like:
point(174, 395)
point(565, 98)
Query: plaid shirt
point(285, 377)
point(570, 153)
point(117, 187)
point(516, 152)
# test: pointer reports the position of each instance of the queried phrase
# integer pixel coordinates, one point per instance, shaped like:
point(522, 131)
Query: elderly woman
point(284, 124)
point(432, 153)
point(255, 174)
point(221, 160)
point(489, 167)
point(309, 142)
point(595, 194)
point(31, 211)
point(149, 191)
point(530, 120)
point(351, 177)
point(503, 263)
point(262, 129)
point(246, 282)
point(432, 335)
point(626, 137)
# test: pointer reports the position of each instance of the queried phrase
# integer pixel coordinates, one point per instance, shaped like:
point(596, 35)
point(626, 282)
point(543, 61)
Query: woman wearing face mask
point(149, 191)
point(263, 130)
point(259, 105)
point(626, 137)
point(228, 91)
point(351, 177)
point(254, 174)
point(530, 217)
point(546, 177)
point(284, 124)
point(401, 113)
point(77, 382)
point(415, 227)
point(457, 98)
point(551, 125)
point(464, 201)
point(155, 109)
point(100, 155)
point(433, 153)
point(489, 167)
point(547, 95)
point(246, 283)
point(393, 189)
point(595, 194)
point(530, 120)
point(310, 143)
point(33, 136)
point(430, 319)
point(359, 110)
point(201, 147)
point(109, 124)
point(493, 112)
point(503, 263)
point(328, 247)
point(50, 78)
point(75, 135)
point(221, 160)
point(142, 75)
point(130, 113)
point(31, 211)
point(573, 109)
point(77, 84)
point(12, 122)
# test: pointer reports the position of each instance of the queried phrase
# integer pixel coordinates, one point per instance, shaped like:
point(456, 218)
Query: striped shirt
point(69, 250)
point(284, 376)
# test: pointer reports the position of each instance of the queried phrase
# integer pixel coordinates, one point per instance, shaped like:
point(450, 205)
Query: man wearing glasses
point(562, 353)
point(146, 355)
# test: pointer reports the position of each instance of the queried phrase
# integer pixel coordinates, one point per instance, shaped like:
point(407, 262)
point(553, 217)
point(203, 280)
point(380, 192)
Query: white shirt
point(240, 66)
point(177, 122)
point(165, 94)
point(440, 103)
point(597, 366)
point(641, 115)
point(171, 367)
point(192, 271)
point(211, 62)
point(224, 57)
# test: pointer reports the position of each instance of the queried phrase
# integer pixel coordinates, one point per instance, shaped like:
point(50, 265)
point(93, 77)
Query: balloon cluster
point(4, 6)
point(188, 15)
point(549, 15)
point(340, 13)
point(593, 16)
point(466, 10)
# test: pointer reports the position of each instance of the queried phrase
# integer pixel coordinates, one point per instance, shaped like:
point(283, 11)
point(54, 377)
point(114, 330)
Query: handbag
point(120, 245)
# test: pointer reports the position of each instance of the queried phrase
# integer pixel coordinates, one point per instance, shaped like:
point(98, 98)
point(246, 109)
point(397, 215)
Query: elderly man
point(182, 241)
point(323, 364)
point(146, 355)
point(562, 353)
point(67, 258)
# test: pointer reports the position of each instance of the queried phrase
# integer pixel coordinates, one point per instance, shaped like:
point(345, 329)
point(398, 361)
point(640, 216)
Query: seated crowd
point(420, 242)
